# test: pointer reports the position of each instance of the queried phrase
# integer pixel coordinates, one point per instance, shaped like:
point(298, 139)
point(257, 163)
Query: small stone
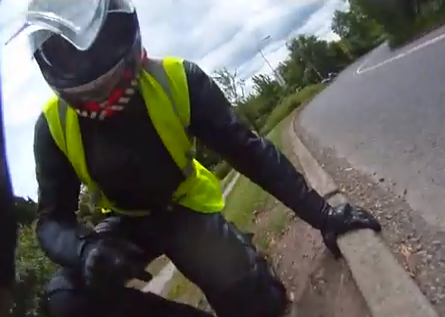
point(381, 180)
point(419, 247)
point(388, 216)
point(437, 242)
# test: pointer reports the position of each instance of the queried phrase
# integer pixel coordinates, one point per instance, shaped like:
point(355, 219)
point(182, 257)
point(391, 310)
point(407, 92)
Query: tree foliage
point(33, 268)
point(232, 86)
point(33, 271)
point(358, 31)
point(403, 19)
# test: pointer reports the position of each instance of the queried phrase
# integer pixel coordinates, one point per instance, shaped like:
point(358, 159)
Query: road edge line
point(386, 287)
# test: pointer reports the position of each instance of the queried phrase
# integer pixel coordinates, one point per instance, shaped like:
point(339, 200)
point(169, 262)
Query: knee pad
point(259, 294)
point(61, 295)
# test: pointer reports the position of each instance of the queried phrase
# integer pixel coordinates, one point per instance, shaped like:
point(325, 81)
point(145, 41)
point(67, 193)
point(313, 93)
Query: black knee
point(64, 297)
point(259, 294)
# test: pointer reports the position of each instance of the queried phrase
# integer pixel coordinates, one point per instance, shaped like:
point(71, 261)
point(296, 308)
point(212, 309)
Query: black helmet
point(98, 80)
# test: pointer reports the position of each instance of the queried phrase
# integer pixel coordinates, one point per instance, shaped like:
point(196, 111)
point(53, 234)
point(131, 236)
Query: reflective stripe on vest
point(163, 85)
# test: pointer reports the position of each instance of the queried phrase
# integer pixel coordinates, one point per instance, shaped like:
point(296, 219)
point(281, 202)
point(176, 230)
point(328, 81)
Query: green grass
point(227, 179)
point(157, 265)
point(182, 290)
point(289, 103)
point(246, 196)
point(222, 169)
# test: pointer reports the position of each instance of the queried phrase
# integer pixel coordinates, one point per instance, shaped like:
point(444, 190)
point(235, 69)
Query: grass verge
point(222, 169)
point(226, 180)
point(288, 104)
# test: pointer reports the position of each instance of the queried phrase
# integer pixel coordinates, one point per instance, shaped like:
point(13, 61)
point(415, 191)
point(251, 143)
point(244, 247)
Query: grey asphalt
point(389, 122)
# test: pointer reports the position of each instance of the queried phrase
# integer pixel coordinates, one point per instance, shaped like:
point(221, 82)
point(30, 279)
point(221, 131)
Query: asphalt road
point(385, 114)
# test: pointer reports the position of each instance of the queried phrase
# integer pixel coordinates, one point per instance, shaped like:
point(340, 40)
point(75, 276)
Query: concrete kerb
point(386, 287)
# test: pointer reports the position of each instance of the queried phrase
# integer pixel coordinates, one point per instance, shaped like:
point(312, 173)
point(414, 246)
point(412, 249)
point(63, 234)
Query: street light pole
point(278, 77)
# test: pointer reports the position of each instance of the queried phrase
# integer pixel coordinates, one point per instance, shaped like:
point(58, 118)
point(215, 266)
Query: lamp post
point(278, 77)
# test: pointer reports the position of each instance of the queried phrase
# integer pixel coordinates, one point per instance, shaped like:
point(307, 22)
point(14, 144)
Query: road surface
point(385, 114)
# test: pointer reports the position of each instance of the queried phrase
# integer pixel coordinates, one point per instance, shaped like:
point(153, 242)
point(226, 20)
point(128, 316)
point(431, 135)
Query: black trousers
point(207, 249)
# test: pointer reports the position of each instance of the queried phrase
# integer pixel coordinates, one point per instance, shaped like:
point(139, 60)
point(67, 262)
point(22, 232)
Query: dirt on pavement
point(418, 246)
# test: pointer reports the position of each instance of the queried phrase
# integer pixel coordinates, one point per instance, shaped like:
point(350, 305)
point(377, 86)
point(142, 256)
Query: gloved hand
point(342, 219)
point(110, 262)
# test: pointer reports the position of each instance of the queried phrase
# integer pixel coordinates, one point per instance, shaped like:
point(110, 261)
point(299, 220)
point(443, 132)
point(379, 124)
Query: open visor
point(77, 21)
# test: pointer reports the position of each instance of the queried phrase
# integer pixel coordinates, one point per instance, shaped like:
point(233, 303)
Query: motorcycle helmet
point(89, 52)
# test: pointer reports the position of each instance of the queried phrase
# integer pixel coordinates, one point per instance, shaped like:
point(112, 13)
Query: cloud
point(212, 33)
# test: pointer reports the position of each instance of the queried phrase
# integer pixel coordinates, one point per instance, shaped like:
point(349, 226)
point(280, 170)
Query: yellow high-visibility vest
point(164, 84)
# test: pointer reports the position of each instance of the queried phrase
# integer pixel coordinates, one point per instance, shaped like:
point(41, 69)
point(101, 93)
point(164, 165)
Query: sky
point(212, 33)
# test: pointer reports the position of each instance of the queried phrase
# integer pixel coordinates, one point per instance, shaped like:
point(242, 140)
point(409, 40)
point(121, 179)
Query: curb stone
point(386, 287)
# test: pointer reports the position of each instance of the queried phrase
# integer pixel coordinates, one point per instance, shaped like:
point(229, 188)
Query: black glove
point(109, 262)
point(342, 219)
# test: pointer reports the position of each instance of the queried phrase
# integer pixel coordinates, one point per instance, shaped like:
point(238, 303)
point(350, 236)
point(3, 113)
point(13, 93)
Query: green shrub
point(34, 269)
point(288, 104)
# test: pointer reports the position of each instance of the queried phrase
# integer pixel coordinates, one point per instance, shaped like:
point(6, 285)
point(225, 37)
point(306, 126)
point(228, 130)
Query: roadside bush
point(34, 269)
point(288, 104)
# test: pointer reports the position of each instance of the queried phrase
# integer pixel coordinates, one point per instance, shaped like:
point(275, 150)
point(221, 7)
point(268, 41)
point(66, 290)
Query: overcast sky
point(212, 33)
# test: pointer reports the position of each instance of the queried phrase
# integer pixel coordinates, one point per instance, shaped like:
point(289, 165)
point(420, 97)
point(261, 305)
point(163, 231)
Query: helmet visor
point(77, 21)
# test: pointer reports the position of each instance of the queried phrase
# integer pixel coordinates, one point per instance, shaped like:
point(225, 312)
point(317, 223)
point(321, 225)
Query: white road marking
point(362, 68)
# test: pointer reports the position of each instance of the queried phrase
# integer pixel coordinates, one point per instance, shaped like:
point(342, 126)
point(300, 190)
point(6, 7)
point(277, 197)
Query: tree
point(400, 19)
point(292, 72)
point(230, 83)
point(234, 90)
point(268, 91)
point(359, 31)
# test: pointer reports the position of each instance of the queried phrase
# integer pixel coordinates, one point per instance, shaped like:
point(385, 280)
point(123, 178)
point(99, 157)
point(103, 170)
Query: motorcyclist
point(123, 124)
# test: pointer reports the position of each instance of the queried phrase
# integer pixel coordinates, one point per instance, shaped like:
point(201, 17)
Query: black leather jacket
point(127, 159)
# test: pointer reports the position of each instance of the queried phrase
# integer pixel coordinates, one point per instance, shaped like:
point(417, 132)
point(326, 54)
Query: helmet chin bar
point(118, 98)
point(115, 103)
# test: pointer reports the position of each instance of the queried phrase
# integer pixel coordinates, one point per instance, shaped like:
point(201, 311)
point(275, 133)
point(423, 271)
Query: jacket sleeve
point(214, 122)
point(58, 231)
